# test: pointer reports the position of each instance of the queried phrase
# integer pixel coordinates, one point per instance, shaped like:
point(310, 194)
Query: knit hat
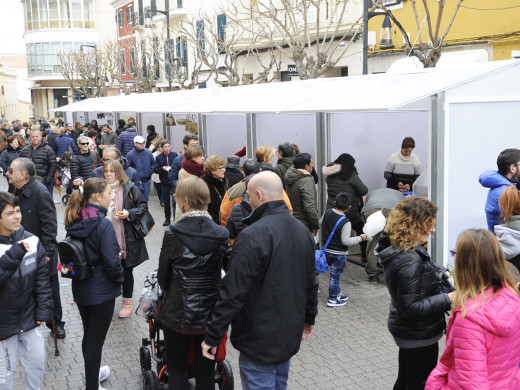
point(233, 162)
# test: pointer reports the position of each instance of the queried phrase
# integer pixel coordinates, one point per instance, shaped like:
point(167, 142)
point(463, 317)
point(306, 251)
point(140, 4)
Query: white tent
point(460, 118)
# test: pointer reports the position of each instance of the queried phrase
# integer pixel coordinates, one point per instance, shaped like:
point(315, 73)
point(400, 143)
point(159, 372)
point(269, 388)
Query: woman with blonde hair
point(483, 338)
point(265, 157)
point(85, 219)
point(416, 320)
point(128, 205)
point(508, 234)
point(214, 176)
point(190, 263)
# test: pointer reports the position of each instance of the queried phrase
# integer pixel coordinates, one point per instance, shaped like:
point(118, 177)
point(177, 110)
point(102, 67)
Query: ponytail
point(81, 197)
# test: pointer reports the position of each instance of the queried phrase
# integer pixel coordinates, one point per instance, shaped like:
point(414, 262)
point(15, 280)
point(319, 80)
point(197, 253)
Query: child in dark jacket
point(336, 251)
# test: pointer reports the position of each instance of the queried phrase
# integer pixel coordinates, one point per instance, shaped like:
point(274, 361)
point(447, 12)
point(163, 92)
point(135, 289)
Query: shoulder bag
point(321, 260)
point(144, 225)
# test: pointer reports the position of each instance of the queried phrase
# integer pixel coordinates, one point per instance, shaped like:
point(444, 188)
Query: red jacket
point(483, 348)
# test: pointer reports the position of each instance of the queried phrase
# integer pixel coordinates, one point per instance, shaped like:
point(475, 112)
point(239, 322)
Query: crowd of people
point(259, 224)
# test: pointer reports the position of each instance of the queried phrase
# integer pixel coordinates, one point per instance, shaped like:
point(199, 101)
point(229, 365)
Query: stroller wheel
point(145, 359)
point(149, 380)
point(226, 381)
point(65, 199)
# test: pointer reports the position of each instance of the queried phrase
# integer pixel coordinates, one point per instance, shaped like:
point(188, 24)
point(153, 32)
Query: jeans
point(96, 321)
point(415, 366)
point(50, 187)
point(177, 352)
point(29, 346)
point(256, 376)
point(146, 189)
point(337, 265)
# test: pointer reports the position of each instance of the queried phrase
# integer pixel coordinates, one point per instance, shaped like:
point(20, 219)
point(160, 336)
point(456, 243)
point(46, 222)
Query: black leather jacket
point(416, 308)
point(189, 271)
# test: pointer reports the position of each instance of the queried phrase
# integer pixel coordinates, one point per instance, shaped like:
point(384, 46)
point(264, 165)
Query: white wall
point(226, 134)
point(371, 137)
point(476, 133)
point(155, 119)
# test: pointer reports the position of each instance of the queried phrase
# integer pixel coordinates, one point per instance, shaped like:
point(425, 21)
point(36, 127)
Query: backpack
point(73, 259)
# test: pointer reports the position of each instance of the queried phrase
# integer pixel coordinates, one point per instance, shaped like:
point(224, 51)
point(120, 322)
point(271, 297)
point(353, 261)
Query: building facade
point(60, 26)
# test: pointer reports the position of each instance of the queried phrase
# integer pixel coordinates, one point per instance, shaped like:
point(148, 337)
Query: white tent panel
point(226, 134)
point(371, 138)
point(152, 118)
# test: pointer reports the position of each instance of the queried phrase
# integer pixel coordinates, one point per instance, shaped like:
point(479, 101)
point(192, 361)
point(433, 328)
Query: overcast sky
point(11, 38)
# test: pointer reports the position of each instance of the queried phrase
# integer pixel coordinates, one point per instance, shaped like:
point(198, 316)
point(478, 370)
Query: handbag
point(443, 280)
point(143, 225)
point(321, 260)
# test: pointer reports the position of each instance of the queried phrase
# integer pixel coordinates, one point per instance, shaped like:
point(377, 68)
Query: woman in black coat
point(95, 296)
point(190, 264)
point(214, 176)
point(128, 205)
point(416, 319)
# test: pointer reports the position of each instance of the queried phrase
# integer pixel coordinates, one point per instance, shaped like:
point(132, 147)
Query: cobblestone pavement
point(351, 347)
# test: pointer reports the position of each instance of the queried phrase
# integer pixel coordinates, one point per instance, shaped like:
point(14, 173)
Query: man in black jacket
point(39, 218)
point(82, 163)
point(270, 291)
point(163, 163)
point(43, 157)
point(25, 297)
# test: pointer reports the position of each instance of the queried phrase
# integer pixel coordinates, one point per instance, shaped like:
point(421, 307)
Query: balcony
point(260, 30)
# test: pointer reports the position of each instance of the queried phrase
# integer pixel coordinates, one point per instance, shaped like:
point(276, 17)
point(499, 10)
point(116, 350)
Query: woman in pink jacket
point(483, 338)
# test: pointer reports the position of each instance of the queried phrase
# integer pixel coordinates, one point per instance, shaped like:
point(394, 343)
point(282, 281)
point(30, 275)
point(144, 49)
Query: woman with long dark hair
point(416, 320)
point(342, 176)
point(483, 338)
point(190, 264)
point(85, 219)
point(128, 205)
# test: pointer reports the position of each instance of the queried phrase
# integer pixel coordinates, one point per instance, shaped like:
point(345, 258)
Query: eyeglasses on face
point(83, 143)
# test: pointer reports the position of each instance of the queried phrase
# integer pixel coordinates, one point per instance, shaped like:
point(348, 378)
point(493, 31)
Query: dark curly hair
point(347, 166)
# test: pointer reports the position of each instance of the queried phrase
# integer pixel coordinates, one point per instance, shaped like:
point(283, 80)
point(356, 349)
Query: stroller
point(153, 349)
point(63, 178)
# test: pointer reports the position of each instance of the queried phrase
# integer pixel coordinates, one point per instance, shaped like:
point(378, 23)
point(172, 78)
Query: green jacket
point(281, 169)
point(303, 196)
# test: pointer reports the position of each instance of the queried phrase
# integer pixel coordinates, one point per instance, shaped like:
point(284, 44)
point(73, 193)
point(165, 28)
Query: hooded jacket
point(483, 348)
point(25, 295)
point(190, 263)
point(496, 183)
point(416, 306)
point(301, 190)
point(508, 236)
point(281, 168)
point(44, 160)
point(102, 251)
point(335, 184)
point(271, 288)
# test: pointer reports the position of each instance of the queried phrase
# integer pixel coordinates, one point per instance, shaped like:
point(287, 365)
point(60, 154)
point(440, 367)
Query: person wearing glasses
point(416, 320)
point(113, 153)
point(508, 163)
point(214, 176)
point(83, 162)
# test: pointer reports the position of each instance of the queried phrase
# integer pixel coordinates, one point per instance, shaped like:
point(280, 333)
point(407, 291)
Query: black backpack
point(73, 259)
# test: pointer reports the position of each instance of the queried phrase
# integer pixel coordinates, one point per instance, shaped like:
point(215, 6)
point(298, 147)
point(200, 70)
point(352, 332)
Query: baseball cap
point(139, 140)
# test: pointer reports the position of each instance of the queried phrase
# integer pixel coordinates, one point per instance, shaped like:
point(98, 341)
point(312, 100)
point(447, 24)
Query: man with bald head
point(270, 292)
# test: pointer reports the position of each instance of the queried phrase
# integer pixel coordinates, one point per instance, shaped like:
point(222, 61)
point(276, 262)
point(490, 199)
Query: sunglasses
point(83, 143)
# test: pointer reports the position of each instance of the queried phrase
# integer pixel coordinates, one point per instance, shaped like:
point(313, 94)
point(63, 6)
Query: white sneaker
point(104, 373)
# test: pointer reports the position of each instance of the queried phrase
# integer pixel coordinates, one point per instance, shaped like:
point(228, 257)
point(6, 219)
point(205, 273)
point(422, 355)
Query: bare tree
point(429, 52)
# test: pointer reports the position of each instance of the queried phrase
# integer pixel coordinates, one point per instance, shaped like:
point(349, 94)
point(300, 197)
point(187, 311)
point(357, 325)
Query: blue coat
point(125, 143)
point(173, 174)
point(143, 162)
point(161, 161)
point(61, 145)
point(7, 157)
point(496, 184)
point(103, 253)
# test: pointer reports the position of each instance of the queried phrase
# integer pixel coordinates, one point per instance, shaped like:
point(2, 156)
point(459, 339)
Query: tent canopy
point(376, 92)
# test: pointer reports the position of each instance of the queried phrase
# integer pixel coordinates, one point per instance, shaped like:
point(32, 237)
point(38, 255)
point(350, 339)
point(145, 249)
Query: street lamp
point(148, 24)
point(97, 75)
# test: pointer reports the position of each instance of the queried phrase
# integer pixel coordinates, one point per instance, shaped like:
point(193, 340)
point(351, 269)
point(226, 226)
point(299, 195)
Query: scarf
point(119, 225)
point(193, 168)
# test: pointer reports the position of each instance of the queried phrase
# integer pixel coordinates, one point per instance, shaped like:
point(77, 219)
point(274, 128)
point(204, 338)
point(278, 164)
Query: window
point(201, 40)
point(129, 15)
point(123, 62)
point(182, 52)
point(221, 32)
point(78, 96)
point(179, 3)
point(60, 97)
point(120, 18)
point(132, 61)
point(344, 71)
point(156, 66)
point(169, 53)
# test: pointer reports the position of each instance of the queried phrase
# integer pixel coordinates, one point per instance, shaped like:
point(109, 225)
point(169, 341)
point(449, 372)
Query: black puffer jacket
point(191, 258)
point(44, 160)
point(239, 211)
point(82, 165)
point(135, 204)
point(416, 307)
point(25, 295)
